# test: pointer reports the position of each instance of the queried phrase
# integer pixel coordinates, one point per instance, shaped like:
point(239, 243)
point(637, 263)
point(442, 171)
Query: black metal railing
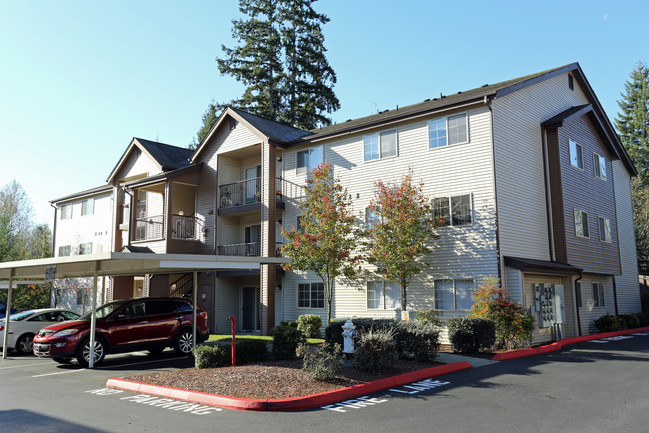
point(182, 287)
point(185, 227)
point(250, 249)
point(149, 227)
point(240, 193)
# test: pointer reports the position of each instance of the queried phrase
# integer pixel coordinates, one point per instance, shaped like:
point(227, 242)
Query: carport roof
point(122, 263)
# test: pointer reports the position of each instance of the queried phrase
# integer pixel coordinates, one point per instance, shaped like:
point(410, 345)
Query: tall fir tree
point(632, 123)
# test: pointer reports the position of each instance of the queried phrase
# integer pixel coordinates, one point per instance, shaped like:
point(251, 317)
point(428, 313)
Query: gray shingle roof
point(276, 132)
point(169, 157)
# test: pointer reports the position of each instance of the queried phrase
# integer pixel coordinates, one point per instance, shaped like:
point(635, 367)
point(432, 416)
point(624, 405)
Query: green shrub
point(248, 351)
point(643, 318)
point(212, 356)
point(286, 338)
point(418, 339)
point(333, 332)
point(376, 350)
point(631, 321)
point(608, 323)
point(428, 315)
point(322, 362)
point(471, 334)
point(310, 324)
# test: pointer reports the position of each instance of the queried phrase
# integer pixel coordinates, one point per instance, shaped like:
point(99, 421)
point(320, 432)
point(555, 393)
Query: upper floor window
point(604, 229)
point(88, 206)
point(581, 224)
point(380, 145)
point(576, 155)
point(454, 294)
point(455, 210)
point(64, 251)
point(308, 159)
point(66, 211)
point(599, 163)
point(598, 295)
point(448, 131)
point(310, 295)
point(85, 248)
point(383, 295)
point(372, 218)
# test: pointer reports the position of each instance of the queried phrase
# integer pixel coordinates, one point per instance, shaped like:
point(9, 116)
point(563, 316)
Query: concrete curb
point(558, 345)
point(299, 403)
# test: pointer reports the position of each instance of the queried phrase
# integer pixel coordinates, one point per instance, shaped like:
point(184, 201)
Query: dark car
point(126, 325)
point(3, 310)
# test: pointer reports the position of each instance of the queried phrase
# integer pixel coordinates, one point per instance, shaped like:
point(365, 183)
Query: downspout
point(615, 295)
point(581, 275)
point(54, 229)
point(487, 103)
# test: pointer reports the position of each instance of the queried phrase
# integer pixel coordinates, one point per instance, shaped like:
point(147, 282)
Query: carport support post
point(93, 317)
point(6, 333)
point(194, 295)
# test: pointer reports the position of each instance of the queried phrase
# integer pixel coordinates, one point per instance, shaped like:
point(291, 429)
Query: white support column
point(93, 317)
point(6, 333)
point(194, 295)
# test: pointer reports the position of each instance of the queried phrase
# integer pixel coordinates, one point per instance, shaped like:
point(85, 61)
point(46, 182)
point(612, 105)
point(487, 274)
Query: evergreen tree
point(209, 119)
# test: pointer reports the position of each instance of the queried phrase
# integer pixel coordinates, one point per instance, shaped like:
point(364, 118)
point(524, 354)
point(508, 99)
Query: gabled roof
point(165, 156)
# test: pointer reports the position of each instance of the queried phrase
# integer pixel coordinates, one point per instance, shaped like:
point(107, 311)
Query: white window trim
point(587, 223)
point(448, 143)
point(450, 209)
point(297, 296)
point(383, 307)
point(596, 156)
point(381, 157)
point(570, 141)
point(454, 292)
point(301, 171)
point(601, 301)
point(88, 200)
point(66, 215)
point(599, 228)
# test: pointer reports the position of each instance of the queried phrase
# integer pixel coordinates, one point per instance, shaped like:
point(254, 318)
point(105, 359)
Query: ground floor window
point(454, 294)
point(310, 295)
point(598, 295)
point(383, 295)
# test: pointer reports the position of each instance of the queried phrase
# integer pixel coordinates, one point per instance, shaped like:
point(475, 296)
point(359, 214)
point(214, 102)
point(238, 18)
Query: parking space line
point(60, 372)
point(21, 366)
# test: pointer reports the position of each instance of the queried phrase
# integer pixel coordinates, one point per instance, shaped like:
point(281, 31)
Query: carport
point(120, 264)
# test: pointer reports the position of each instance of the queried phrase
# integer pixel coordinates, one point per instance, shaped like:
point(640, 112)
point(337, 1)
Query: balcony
point(152, 227)
point(148, 228)
point(245, 195)
point(249, 249)
point(185, 227)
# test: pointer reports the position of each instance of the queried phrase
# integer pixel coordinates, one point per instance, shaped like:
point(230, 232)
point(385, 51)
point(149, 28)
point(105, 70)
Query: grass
point(228, 337)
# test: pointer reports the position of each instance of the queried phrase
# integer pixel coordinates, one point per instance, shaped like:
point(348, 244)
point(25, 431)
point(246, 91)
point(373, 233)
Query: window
point(604, 229)
point(454, 294)
point(372, 218)
point(455, 210)
point(66, 211)
point(309, 159)
point(598, 295)
point(599, 163)
point(450, 130)
point(88, 207)
point(64, 251)
point(581, 224)
point(85, 248)
point(310, 295)
point(380, 145)
point(576, 155)
point(383, 295)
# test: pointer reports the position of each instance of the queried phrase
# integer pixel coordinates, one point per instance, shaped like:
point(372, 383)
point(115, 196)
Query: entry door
point(253, 240)
point(249, 309)
point(252, 187)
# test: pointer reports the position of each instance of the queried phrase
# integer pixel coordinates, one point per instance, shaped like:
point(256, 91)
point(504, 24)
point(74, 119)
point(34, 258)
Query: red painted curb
point(299, 403)
point(557, 345)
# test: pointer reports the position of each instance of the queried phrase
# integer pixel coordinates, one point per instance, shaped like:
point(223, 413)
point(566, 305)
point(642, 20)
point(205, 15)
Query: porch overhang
point(541, 266)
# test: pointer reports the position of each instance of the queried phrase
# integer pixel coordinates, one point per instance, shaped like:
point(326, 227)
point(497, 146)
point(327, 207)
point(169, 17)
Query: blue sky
point(79, 79)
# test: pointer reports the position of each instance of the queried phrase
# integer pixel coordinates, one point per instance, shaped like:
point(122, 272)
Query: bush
point(608, 323)
point(310, 324)
point(418, 339)
point(247, 351)
point(322, 362)
point(376, 350)
point(286, 338)
point(433, 317)
point(471, 334)
point(631, 321)
point(333, 332)
point(212, 356)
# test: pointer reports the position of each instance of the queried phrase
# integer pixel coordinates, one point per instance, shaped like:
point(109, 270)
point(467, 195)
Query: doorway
point(250, 309)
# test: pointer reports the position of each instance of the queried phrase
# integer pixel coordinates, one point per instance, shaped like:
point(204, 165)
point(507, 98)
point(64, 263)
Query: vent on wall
point(571, 83)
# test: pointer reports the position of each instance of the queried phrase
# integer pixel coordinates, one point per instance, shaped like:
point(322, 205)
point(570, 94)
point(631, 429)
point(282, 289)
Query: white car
point(24, 325)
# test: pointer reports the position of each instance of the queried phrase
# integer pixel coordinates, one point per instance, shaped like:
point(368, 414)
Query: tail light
point(2, 328)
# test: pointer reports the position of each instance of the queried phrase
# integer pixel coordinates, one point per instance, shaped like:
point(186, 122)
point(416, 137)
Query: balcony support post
point(268, 229)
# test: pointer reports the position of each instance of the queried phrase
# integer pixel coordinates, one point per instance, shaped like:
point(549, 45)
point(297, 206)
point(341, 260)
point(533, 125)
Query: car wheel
point(83, 352)
point(25, 344)
point(184, 342)
point(62, 360)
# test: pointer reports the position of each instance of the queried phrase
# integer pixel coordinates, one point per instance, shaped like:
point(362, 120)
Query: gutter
point(487, 103)
point(581, 275)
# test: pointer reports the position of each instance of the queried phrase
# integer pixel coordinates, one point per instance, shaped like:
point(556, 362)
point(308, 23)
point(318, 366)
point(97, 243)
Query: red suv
point(126, 325)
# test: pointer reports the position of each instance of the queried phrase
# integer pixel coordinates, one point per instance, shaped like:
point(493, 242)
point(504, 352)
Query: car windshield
point(103, 311)
point(20, 316)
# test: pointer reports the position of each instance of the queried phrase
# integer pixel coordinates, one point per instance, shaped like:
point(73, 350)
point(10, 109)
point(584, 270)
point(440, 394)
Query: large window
point(598, 295)
point(448, 131)
point(454, 294)
point(310, 295)
point(66, 211)
point(383, 295)
point(85, 248)
point(455, 210)
point(581, 224)
point(309, 159)
point(64, 251)
point(604, 229)
point(88, 207)
point(576, 155)
point(599, 163)
point(380, 145)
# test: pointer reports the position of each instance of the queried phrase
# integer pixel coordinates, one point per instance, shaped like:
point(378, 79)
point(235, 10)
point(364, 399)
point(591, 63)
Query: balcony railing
point(249, 191)
point(250, 249)
point(185, 227)
point(149, 227)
